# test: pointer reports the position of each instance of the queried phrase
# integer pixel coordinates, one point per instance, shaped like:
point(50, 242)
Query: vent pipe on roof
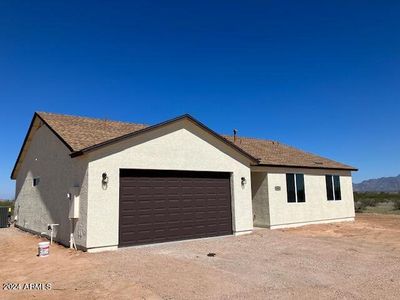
point(235, 135)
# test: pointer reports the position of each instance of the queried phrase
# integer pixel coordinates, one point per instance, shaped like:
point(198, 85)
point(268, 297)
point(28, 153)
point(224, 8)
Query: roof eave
point(153, 127)
point(36, 115)
point(306, 167)
point(12, 176)
point(55, 133)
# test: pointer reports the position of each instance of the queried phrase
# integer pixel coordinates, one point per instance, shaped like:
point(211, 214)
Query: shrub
point(372, 202)
point(359, 206)
point(396, 204)
point(364, 200)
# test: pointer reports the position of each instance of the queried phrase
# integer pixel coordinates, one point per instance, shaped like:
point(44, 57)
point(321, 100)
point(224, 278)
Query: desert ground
point(359, 260)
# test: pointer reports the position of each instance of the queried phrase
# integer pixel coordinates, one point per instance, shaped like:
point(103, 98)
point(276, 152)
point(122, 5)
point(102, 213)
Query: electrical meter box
point(73, 196)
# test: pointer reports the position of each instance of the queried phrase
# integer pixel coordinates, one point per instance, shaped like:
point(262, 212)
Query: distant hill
point(384, 184)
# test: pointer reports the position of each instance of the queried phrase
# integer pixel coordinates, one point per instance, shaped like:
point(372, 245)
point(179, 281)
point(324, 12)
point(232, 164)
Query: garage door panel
point(159, 206)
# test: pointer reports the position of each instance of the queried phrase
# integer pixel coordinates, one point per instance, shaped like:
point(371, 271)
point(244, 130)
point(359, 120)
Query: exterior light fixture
point(243, 180)
point(104, 178)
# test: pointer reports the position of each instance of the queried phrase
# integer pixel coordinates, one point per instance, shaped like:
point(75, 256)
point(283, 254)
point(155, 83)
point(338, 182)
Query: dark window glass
point(301, 197)
point(291, 193)
point(329, 187)
point(336, 181)
point(36, 181)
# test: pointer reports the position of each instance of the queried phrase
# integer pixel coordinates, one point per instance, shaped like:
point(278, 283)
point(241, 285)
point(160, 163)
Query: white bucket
point(43, 249)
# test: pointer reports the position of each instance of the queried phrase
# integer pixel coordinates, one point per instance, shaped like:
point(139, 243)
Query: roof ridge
point(90, 118)
point(266, 140)
point(252, 138)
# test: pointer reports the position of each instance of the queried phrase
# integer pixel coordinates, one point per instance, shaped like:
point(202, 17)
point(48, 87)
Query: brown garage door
point(160, 206)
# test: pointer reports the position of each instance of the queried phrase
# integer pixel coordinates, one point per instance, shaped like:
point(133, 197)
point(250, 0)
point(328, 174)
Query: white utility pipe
point(72, 244)
point(51, 228)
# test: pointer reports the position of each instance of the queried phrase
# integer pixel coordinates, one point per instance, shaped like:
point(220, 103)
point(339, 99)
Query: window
point(295, 188)
point(333, 191)
point(336, 183)
point(35, 181)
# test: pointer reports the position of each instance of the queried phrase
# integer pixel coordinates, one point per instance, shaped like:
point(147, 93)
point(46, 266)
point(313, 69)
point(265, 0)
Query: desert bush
point(359, 206)
point(362, 203)
point(364, 200)
point(396, 204)
point(371, 202)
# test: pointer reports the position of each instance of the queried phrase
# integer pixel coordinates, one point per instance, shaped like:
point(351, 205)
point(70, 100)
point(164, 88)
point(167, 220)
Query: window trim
point(333, 187)
point(295, 188)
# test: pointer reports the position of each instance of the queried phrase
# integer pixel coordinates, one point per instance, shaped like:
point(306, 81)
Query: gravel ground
point(359, 260)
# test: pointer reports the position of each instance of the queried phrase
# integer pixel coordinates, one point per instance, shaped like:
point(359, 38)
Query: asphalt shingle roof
point(82, 132)
point(277, 154)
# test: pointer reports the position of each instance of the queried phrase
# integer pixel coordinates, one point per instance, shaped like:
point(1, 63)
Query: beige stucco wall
point(316, 209)
point(259, 187)
point(178, 146)
point(48, 158)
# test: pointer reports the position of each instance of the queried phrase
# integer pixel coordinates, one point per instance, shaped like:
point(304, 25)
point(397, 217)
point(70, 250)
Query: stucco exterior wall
point(178, 146)
point(48, 158)
point(316, 209)
point(259, 187)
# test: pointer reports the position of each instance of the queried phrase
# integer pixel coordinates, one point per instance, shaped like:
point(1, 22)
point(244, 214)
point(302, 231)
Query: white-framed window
point(333, 191)
point(35, 181)
point(295, 188)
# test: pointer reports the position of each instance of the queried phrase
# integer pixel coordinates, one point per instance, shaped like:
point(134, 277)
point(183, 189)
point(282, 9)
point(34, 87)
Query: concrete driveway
point(358, 260)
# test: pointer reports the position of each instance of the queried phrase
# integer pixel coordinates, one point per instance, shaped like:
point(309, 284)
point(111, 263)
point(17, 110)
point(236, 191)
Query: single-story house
point(114, 184)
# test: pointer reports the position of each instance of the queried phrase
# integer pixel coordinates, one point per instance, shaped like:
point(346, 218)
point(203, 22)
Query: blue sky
point(323, 77)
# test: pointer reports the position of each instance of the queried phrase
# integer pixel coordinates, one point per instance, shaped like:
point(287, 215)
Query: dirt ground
point(359, 260)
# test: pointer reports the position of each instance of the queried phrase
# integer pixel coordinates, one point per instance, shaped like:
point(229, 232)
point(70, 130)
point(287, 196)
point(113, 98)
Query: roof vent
point(235, 131)
point(318, 162)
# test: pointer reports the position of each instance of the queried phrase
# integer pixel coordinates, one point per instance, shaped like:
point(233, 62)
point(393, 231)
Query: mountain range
point(384, 184)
